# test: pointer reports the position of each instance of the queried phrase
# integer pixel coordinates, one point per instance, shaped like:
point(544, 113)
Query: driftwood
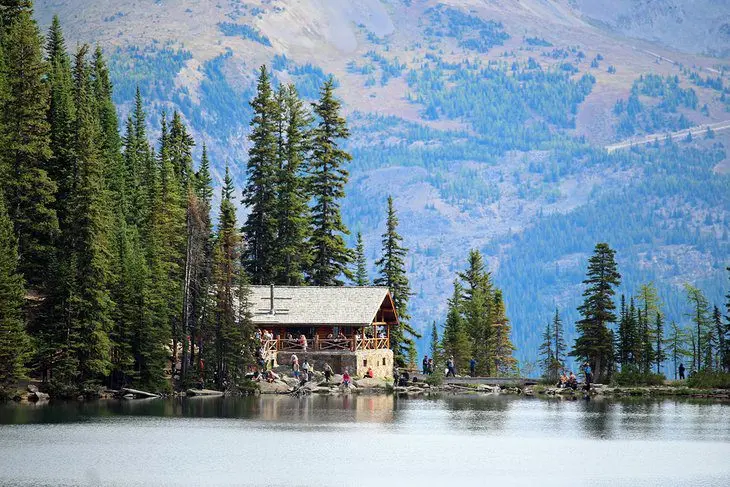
point(137, 394)
point(203, 392)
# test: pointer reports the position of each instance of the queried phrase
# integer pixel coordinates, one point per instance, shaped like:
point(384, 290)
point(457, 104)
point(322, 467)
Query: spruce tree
point(14, 343)
point(547, 356)
point(25, 149)
point(293, 256)
point(436, 349)
point(85, 305)
point(595, 343)
point(677, 346)
point(478, 312)
point(455, 341)
point(392, 269)
point(328, 177)
point(659, 354)
point(559, 346)
point(61, 116)
point(229, 339)
point(504, 362)
point(259, 196)
point(361, 269)
point(701, 321)
point(11, 10)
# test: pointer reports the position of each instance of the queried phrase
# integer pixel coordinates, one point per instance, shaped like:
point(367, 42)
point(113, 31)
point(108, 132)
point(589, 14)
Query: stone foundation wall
point(357, 363)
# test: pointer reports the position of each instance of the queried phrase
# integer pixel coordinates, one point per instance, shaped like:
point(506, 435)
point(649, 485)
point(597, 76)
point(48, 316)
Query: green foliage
point(14, 343)
point(25, 149)
point(260, 192)
point(455, 340)
point(243, 31)
point(328, 177)
point(392, 269)
point(361, 266)
point(595, 341)
point(472, 32)
point(630, 376)
point(709, 380)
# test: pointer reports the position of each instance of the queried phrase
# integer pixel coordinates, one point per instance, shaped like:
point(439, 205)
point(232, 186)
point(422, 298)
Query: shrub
point(435, 379)
point(632, 377)
point(709, 380)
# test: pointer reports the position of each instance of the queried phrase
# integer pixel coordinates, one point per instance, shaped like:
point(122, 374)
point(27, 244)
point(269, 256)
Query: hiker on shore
point(450, 367)
point(425, 365)
point(430, 366)
point(327, 372)
point(473, 367)
point(563, 381)
point(681, 371)
point(589, 375)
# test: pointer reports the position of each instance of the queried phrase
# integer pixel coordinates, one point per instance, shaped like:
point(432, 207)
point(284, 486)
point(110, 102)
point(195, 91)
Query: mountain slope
point(483, 119)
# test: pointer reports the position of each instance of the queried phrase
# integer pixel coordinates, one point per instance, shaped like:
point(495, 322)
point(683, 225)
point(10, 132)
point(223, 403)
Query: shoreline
point(290, 386)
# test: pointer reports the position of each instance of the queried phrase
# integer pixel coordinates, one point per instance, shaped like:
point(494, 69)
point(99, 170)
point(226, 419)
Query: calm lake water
point(366, 440)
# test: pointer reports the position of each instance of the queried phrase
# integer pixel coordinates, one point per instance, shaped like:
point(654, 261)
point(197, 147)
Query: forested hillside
point(484, 121)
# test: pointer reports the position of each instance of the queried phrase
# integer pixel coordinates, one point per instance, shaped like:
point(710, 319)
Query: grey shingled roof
point(312, 305)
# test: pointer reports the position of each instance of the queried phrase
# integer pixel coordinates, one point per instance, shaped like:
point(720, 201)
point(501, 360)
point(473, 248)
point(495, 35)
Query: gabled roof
point(312, 305)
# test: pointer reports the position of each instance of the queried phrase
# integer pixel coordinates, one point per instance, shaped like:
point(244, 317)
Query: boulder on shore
point(38, 396)
point(276, 387)
point(203, 392)
point(368, 383)
point(32, 388)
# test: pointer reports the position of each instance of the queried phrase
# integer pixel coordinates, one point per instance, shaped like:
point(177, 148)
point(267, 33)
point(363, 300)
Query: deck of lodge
point(346, 326)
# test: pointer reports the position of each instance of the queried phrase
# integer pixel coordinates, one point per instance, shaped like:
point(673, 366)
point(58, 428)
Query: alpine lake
point(367, 439)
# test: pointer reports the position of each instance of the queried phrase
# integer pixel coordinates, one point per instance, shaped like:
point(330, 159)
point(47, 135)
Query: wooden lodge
point(346, 326)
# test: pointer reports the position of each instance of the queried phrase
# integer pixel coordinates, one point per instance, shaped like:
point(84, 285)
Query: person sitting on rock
point(346, 379)
point(563, 382)
point(327, 372)
point(369, 374)
point(271, 376)
point(573, 381)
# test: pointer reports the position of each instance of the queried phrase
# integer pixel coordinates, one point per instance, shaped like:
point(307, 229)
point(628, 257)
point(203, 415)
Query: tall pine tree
point(361, 265)
point(392, 268)
point(260, 196)
point(14, 343)
point(25, 149)
point(595, 343)
point(328, 177)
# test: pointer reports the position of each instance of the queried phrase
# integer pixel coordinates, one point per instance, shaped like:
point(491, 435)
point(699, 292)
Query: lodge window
point(365, 363)
point(383, 361)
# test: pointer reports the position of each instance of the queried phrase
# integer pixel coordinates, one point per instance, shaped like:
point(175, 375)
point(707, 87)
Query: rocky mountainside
point(484, 119)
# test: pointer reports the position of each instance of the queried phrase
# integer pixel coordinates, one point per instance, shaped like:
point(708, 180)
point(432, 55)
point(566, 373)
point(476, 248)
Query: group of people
point(571, 381)
point(427, 365)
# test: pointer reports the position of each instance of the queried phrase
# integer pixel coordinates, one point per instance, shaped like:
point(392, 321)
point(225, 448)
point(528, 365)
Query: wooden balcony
point(325, 345)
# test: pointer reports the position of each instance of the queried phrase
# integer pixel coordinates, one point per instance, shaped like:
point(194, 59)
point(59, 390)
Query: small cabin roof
point(320, 305)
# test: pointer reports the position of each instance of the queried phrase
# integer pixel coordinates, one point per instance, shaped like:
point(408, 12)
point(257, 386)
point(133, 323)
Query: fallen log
point(203, 392)
point(137, 393)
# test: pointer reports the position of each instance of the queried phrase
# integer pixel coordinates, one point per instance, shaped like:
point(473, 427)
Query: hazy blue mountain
point(484, 120)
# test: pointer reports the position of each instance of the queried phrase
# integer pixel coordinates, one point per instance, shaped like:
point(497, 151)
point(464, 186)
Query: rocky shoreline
point(292, 386)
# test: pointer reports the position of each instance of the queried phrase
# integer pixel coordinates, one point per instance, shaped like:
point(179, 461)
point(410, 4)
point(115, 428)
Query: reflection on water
point(364, 439)
point(489, 414)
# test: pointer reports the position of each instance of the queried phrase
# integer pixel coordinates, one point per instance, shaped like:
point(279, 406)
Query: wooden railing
point(334, 344)
point(324, 345)
point(371, 343)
